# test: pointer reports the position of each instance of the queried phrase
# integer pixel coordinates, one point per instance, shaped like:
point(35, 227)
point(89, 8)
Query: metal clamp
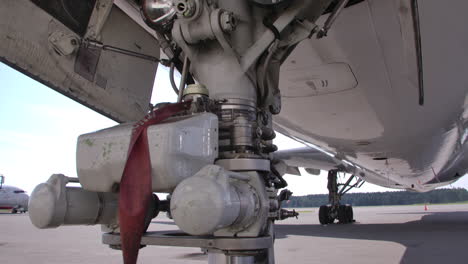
point(244, 164)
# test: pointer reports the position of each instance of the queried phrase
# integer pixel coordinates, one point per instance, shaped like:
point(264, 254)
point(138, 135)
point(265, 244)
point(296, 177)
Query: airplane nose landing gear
point(214, 155)
point(335, 210)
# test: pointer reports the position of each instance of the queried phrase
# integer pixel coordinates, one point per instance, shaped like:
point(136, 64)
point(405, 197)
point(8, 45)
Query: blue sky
point(39, 128)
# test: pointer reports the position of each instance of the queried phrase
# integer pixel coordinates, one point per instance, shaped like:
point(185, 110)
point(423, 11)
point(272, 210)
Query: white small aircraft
point(12, 198)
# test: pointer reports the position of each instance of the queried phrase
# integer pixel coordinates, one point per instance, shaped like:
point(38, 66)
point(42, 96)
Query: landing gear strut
point(335, 210)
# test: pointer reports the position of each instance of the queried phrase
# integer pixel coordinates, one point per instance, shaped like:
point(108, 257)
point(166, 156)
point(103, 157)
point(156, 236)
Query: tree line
point(384, 198)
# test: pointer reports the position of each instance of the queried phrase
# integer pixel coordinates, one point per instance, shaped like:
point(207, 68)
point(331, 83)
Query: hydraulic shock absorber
point(239, 141)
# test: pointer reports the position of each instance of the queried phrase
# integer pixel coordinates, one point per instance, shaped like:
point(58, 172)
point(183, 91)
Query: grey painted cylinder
point(52, 204)
point(221, 258)
point(210, 201)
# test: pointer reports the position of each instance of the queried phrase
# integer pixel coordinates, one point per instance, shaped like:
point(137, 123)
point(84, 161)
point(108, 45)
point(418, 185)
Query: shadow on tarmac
point(437, 238)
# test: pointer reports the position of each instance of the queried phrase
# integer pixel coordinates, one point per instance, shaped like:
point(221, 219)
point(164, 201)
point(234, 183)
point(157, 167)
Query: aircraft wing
point(314, 160)
point(45, 40)
point(311, 159)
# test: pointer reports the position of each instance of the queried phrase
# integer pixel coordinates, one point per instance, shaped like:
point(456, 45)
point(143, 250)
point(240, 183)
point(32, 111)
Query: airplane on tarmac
point(374, 88)
point(12, 198)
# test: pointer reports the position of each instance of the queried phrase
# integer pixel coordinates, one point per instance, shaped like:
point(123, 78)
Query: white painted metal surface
point(179, 148)
point(378, 123)
point(13, 197)
point(213, 199)
point(52, 204)
point(122, 85)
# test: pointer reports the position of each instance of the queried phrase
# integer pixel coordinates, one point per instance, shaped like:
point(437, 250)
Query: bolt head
point(186, 8)
point(228, 21)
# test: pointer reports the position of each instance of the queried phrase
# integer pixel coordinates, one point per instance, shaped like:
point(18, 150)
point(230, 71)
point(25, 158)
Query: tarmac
point(388, 234)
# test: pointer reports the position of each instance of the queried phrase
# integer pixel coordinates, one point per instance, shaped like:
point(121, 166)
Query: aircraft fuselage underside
point(355, 93)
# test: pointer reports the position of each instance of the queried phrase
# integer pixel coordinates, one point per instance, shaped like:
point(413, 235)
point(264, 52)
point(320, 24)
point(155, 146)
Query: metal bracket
point(64, 44)
point(86, 62)
point(303, 30)
point(291, 14)
point(215, 18)
point(244, 164)
point(178, 239)
point(101, 12)
point(254, 52)
point(332, 18)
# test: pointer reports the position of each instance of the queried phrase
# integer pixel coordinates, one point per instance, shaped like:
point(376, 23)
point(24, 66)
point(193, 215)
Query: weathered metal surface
point(119, 87)
point(178, 239)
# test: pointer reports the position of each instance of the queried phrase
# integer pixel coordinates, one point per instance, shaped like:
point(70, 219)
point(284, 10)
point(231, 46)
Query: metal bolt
point(228, 22)
point(186, 8)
